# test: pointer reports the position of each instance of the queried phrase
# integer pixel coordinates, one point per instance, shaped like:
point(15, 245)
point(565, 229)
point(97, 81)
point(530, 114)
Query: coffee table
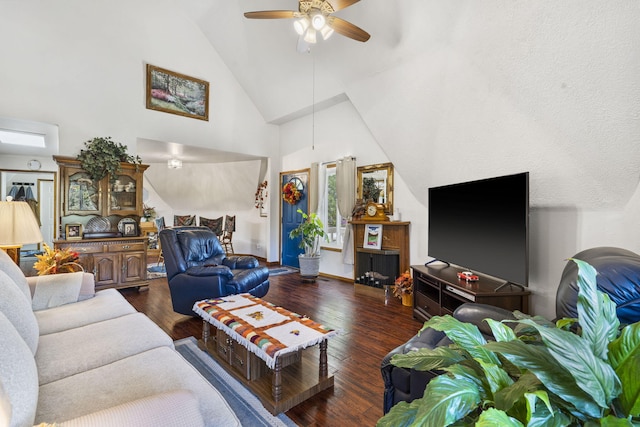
point(267, 348)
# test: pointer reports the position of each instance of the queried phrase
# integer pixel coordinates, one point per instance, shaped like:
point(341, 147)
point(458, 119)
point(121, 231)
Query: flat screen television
point(483, 226)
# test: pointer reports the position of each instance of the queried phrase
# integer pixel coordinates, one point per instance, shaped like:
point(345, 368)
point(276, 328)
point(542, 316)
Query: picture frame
point(130, 229)
point(176, 93)
point(73, 231)
point(372, 236)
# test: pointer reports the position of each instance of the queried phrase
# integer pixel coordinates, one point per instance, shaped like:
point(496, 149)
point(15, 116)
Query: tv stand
point(438, 291)
point(505, 284)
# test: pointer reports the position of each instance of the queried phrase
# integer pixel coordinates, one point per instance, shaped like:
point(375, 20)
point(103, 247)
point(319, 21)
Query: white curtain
point(346, 189)
point(314, 186)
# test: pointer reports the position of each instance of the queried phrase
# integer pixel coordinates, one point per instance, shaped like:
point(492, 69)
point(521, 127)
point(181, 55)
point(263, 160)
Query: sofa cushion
point(153, 411)
point(18, 374)
point(17, 308)
point(101, 343)
point(107, 304)
point(155, 371)
point(11, 268)
point(55, 290)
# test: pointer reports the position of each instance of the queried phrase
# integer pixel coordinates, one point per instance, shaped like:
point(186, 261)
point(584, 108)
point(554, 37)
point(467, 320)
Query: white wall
point(340, 132)
point(82, 66)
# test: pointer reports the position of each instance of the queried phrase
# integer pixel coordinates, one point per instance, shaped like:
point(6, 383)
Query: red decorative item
point(468, 276)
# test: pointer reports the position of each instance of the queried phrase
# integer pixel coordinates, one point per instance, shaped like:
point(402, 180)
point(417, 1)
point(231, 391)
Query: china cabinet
point(104, 209)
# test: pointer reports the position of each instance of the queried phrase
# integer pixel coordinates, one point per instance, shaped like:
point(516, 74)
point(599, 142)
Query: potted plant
point(102, 156)
point(310, 230)
point(575, 372)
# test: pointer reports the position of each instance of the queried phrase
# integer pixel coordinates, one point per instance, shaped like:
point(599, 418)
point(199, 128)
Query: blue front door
point(290, 217)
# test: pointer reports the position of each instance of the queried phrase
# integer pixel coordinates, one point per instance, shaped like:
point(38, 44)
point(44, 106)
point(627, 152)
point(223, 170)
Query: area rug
point(282, 269)
point(246, 406)
point(155, 271)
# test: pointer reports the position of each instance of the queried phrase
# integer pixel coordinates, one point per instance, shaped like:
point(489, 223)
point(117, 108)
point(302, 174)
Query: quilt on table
point(263, 328)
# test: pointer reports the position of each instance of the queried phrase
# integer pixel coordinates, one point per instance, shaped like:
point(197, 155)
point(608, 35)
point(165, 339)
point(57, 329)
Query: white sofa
point(75, 358)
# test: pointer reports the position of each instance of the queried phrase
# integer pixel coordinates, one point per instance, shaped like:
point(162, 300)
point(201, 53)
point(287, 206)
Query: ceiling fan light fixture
point(318, 21)
point(326, 32)
point(301, 25)
point(310, 35)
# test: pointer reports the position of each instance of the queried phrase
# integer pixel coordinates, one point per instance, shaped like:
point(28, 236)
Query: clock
point(34, 165)
point(374, 212)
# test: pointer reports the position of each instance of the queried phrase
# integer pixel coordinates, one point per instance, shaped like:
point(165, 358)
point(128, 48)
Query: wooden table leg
point(276, 384)
point(324, 368)
point(205, 331)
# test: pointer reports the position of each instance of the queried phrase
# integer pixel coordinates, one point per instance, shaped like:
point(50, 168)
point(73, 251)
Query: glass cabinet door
point(124, 195)
point(82, 194)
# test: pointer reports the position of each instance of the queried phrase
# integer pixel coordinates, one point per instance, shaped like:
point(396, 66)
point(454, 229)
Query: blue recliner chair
point(198, 268)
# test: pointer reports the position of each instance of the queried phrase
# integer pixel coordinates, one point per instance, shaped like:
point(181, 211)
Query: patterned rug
point(246, 406)
point(155, 271)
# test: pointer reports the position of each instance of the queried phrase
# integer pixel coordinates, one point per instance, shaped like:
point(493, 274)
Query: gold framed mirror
point(375, 182)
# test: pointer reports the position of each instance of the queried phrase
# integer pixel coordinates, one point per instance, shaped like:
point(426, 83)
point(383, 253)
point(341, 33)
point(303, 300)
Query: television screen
point(482, 226)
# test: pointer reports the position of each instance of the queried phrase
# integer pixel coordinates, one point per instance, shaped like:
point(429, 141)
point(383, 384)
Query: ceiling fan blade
point(271, 14)
point(341, 4)
point(347, 29)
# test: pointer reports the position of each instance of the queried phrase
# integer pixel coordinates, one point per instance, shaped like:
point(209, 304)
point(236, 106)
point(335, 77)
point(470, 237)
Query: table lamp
point(18, 226)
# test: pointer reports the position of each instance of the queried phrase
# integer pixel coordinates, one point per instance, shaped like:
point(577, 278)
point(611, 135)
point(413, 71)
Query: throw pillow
point(184, 220)
point(214, 225)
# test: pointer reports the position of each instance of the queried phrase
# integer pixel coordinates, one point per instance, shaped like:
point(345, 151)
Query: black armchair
point(618, 276)
point(198, 268)
point(401, 384)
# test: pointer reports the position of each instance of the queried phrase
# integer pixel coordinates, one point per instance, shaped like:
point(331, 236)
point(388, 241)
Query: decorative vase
point(407, 299)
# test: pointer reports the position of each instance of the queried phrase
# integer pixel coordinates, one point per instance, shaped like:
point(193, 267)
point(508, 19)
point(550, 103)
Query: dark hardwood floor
point(369, 329)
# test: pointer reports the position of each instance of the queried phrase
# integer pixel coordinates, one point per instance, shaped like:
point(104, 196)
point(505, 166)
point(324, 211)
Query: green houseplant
point(102, 156)
point(310, 231)
point(575, 372)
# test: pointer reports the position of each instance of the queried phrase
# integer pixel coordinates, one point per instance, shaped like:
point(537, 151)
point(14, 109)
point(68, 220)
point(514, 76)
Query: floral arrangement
point(261, 194)
point(290, 193)
point(403, 285)
point(57, 261)
point(148, 212)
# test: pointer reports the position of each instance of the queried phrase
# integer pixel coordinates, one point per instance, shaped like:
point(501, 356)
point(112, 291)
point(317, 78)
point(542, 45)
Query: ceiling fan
point(314, 17)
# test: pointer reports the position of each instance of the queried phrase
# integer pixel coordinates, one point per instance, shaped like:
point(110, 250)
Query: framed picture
point(373, 236)
point(176, 93)
point(73, 231)
point(130, 229)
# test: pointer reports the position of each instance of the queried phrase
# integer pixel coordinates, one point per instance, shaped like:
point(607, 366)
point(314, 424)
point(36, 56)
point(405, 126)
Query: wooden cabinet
point(101, 208)
point(81, 195)
point(438, 291)
point(395, 244)
point(116, 263)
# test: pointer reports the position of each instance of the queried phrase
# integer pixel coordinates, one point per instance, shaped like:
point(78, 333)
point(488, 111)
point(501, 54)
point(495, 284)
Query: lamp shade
point(18, 224)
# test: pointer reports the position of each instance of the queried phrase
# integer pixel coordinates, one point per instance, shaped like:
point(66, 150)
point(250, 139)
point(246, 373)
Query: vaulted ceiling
point(262, 54)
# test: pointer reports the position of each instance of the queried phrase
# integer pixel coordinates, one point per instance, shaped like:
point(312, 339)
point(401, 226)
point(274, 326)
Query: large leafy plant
point(102, 156)
point(310, 230)
point(582, 371)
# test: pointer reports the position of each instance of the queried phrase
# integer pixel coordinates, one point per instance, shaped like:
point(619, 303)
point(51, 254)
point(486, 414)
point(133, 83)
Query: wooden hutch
point(104, 217)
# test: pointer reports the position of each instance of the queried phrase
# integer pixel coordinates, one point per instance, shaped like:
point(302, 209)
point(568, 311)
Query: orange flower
point(403, 285)
point(57, 261)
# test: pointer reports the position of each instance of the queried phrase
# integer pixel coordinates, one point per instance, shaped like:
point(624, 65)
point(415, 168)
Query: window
point(334, 224)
